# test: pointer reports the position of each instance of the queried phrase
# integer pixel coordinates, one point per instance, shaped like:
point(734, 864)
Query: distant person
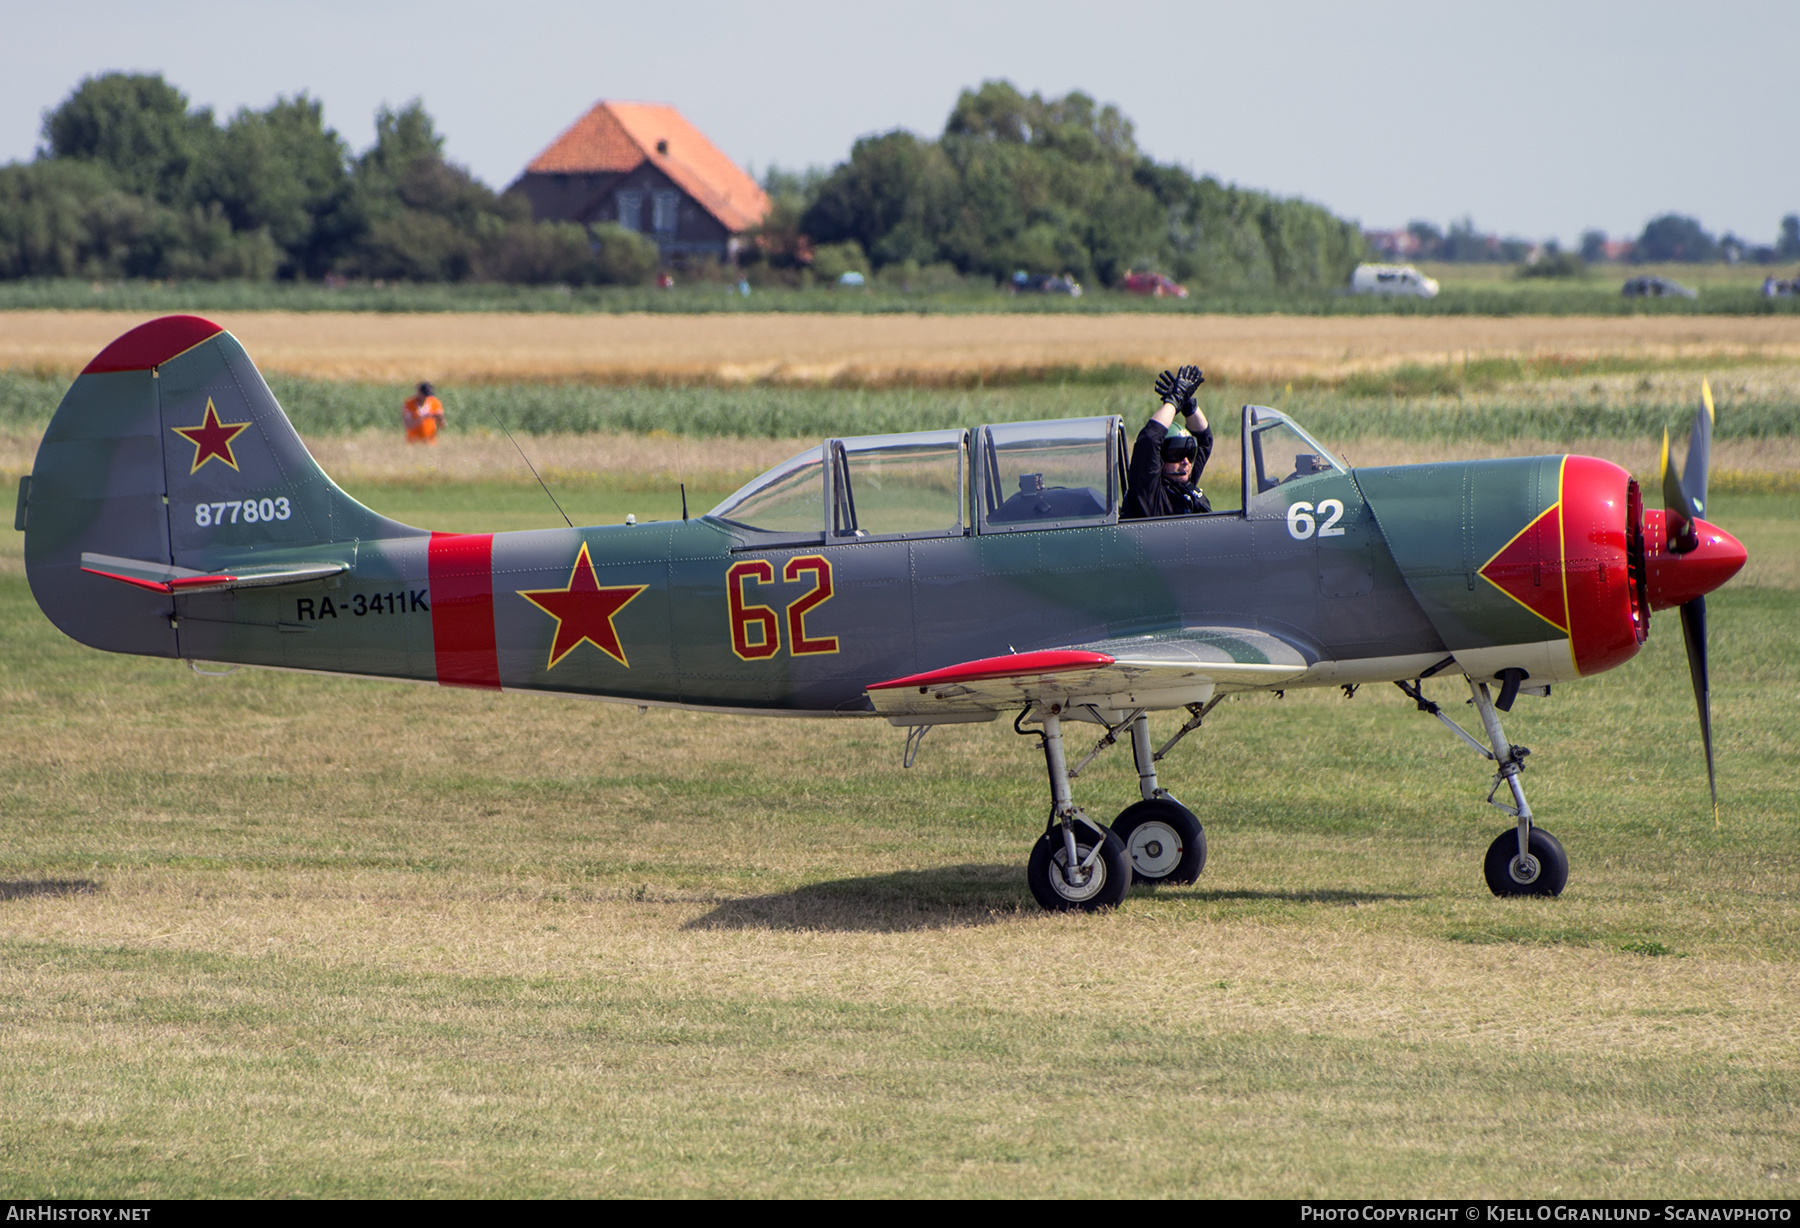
point(1165, 467)
point(424, 415)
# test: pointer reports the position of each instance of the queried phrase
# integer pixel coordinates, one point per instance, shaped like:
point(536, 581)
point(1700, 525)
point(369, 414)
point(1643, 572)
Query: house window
point(667, 210)
point(631, 210)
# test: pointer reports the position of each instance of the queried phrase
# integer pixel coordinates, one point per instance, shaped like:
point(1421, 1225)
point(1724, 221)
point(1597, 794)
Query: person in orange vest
point(423, 414)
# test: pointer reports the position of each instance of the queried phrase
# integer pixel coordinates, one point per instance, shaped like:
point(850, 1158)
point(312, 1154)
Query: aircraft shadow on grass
point(1315, 895)
point(943, 898)
point(947, 898)
point(25, 889)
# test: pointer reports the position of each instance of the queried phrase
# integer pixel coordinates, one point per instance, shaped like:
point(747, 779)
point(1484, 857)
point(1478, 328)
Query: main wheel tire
point(1108, 880)
point(1164, 840)
point(1506, 877)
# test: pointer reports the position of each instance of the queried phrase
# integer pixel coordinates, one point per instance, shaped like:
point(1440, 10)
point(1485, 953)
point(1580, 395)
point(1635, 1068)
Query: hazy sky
point(1537, 119)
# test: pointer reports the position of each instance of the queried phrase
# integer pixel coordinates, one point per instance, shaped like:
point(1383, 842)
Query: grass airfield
point(278, 935)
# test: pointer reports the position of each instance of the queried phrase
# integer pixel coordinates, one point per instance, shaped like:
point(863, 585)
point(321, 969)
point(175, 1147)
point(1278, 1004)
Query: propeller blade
point(1693, 631)
point(1685, 497)
point(1699, 454)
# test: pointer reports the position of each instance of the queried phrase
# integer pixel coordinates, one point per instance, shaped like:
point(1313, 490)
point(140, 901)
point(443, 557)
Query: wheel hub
point(1073, 883)
point(1524, 869)
point(1155, 849)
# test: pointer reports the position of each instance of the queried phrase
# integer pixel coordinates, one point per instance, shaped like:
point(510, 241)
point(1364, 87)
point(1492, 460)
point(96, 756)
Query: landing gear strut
point(1525, 860)
point(1076, 863)
point(1163, 838)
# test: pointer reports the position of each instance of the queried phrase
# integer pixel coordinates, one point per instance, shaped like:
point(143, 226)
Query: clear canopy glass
point(1282, 452)
point(890, 485)
point(790, 498)
point(1047, 472)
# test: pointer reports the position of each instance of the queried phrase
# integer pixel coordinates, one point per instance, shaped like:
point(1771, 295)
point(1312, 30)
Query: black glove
point(1178, 388)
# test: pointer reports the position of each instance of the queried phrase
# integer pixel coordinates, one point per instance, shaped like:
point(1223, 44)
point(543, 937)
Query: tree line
point(131, 181)
point(1668, 238)
point(1023, 183)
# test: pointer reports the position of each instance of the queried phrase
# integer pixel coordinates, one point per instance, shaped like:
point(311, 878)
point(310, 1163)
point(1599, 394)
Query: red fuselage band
point(462, 610)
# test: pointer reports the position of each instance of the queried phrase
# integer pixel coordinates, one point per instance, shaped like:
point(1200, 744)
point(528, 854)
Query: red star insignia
point(212, 438)
point(584, 611)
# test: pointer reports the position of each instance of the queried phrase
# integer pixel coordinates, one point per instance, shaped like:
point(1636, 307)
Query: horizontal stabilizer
point(166, 578)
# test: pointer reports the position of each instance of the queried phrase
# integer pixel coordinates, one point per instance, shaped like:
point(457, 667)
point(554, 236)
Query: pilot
point(1164, 467)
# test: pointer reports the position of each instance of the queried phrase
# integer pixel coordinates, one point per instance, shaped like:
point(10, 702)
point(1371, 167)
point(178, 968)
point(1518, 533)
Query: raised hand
point(1187, 383)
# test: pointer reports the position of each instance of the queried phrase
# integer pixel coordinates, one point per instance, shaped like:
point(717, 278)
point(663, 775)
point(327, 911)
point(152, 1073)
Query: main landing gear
point(1077, 863)
point(1525, 859)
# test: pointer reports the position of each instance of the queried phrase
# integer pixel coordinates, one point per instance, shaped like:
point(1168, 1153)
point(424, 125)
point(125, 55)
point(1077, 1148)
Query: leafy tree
point(137, 126)
point(893, 198)
point(1054, 185)
point(403, 138)
point(1228, 237)
point(426, 219)
point(1430, 239)
point(1593, 246)
point(46, 219)
point(1464, 244)
point(1788, 245)
point(545, 253)
point(833, 260)
point(283, 172)
point(1673, 237)
point(623, 257)
point(1553, 261)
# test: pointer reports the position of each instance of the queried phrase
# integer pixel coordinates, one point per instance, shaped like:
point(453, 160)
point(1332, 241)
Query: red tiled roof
point(620, 136)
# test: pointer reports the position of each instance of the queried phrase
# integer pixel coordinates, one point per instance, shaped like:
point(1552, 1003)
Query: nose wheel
point(1525, 859)
point(1542, 870)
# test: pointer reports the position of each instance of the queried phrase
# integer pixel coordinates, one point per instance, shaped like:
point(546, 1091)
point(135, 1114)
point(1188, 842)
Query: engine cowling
point(1539, 564)
point(1604, 574)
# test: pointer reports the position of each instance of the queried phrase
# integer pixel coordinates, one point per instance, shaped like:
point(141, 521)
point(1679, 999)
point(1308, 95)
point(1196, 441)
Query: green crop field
point(1468, 289)
point(275, 935)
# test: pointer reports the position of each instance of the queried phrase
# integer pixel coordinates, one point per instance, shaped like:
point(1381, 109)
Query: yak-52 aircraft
point(927, 578)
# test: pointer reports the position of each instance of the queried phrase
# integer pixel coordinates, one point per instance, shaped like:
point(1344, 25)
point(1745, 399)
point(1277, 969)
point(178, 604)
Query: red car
point(1153, 284)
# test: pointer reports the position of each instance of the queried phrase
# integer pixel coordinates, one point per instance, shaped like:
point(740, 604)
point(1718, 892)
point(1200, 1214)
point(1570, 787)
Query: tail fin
point(170, 450)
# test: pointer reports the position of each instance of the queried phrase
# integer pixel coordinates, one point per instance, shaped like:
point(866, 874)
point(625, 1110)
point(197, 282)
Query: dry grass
point(655, 461)
point(896, 348)
point(271, 935)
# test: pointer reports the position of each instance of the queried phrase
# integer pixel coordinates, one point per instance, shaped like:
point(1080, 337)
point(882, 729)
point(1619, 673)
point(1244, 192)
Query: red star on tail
point(584, 611)
point(211, 438)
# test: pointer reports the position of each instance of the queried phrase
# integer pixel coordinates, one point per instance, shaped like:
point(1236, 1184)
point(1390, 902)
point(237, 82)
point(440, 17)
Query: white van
point(1392, 279)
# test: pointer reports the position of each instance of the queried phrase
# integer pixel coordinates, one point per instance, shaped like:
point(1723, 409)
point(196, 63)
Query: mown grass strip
point(275, 935)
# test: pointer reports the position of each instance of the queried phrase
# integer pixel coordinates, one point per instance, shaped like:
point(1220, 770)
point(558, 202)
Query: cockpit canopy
point(1027, 475)
point(1003, 478)
point(1276, 452)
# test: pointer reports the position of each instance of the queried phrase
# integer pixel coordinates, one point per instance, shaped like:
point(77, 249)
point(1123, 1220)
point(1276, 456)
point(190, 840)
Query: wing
point(1166, 670)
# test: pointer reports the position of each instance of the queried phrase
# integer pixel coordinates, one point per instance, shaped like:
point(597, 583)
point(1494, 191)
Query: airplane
point(930, 578)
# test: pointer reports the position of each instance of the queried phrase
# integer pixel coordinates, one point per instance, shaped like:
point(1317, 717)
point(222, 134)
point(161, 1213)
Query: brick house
point(643, 166)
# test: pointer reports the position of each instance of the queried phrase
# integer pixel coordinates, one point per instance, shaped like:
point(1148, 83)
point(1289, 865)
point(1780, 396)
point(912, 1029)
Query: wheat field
point(800, 348)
